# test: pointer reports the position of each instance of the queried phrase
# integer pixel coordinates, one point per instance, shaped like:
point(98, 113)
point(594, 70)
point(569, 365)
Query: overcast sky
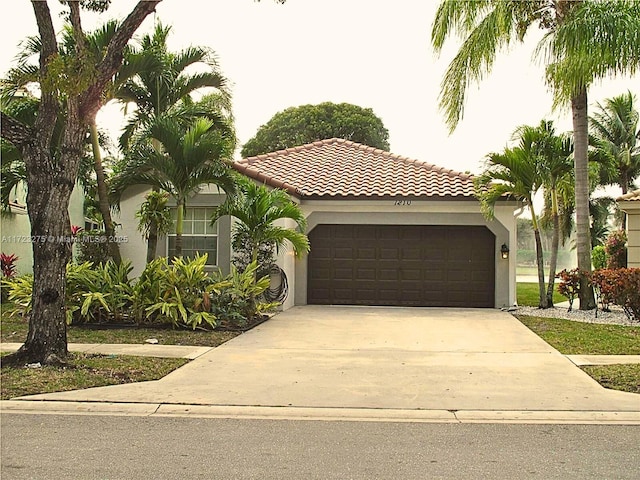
point(375, 54)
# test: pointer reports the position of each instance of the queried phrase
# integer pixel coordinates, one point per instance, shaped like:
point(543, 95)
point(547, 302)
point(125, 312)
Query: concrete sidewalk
point(389, 362)
point(138, 350)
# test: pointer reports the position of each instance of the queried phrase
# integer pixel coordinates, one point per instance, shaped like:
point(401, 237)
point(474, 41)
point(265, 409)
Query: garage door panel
point(401, 265)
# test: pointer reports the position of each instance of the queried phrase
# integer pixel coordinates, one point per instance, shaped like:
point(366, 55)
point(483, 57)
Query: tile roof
point(631, 196)
point(337, 168)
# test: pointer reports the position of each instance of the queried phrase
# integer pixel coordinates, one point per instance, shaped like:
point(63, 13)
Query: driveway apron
point(379, 358)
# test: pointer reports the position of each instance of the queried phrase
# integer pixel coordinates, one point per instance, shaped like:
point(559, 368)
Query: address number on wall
point(402, 202)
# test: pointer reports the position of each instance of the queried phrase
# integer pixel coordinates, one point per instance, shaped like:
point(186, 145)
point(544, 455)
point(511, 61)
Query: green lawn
point(15, 331)
point(579, 338)
point(84, 371)
point(528, 294)
point(618, 377)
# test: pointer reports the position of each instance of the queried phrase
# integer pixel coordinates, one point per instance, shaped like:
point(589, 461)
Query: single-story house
point(384, 229)
point(630, 204)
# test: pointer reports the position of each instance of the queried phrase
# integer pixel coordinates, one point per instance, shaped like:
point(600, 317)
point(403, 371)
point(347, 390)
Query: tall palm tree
point(516, 173)
point(178, 159)
point(167, 86)
point(586, 40)
point(164, 86)
point(615, 138)
point(556, 166)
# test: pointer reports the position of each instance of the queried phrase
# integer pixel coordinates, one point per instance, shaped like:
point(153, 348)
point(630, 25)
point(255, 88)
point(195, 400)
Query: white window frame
point(189, 216)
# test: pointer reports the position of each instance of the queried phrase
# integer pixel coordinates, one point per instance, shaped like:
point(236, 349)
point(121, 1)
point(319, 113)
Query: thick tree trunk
point(103, 202)
point(583, 234)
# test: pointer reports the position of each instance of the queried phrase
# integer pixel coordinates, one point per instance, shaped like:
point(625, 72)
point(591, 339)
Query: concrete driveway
point(379, 358)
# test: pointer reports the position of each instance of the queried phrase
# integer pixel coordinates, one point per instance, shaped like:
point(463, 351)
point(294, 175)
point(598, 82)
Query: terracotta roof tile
point(341, 168)
point(631, 196)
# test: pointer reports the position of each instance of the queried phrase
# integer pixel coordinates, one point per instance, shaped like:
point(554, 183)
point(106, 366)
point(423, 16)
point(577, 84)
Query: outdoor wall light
point(504, 250)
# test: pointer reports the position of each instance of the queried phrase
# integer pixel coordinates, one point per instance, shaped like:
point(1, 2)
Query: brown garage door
point(402, 265)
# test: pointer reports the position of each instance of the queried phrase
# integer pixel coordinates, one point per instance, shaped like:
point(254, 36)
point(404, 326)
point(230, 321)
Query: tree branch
point(48, 110)
point(78, 33)
point(114, 55)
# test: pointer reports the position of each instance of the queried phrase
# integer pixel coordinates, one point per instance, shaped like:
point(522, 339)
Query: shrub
point(178, 293)
point(620, 286)
point(616, 250)
point(8, 266)
point(19, 294)
point(598, 257)
point(241, 245)
point(98, 293)
point(92, 247)
point(569, 285)
point(235, 305)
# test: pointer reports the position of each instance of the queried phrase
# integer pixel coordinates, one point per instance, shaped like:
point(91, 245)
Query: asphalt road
point(56, 447)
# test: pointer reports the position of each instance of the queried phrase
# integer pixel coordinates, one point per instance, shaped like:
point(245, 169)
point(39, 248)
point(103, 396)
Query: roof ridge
point(363, 147)
point(297, 148)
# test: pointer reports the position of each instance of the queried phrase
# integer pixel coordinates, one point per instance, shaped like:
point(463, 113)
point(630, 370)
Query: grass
point(84, 371)
point(15, 330)
point(579, 338)
point(618, 377)
point(528, 294)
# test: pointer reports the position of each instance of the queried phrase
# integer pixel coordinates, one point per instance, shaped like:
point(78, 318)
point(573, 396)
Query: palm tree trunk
point(539, 260)
point(179, 225)
point(583, 234)
point(103, 202)
point(625, 188)
point(555, 243)
point(152, 240)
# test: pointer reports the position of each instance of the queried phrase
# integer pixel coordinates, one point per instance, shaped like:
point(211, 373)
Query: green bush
point(598, 257)
point(92, 247)
point(181, 293)
point(178, 293)
point(98, 292)
point(235, 305)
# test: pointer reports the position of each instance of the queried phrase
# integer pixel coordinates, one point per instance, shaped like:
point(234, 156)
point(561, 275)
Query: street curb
point(318, 414)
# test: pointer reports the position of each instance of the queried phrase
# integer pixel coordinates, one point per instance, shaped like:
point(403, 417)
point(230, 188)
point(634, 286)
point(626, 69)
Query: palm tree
point(166, 86)
point(178, 159)
point(162, 85)
point(154, 217)
point(515, 173)
point(586, 41)
point(556, 166)
point(258, 208)
point(615, 138)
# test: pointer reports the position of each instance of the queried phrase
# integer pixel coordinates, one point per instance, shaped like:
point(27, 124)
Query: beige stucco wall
point(15, 228)
point(632, 208)
point(419, 212)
